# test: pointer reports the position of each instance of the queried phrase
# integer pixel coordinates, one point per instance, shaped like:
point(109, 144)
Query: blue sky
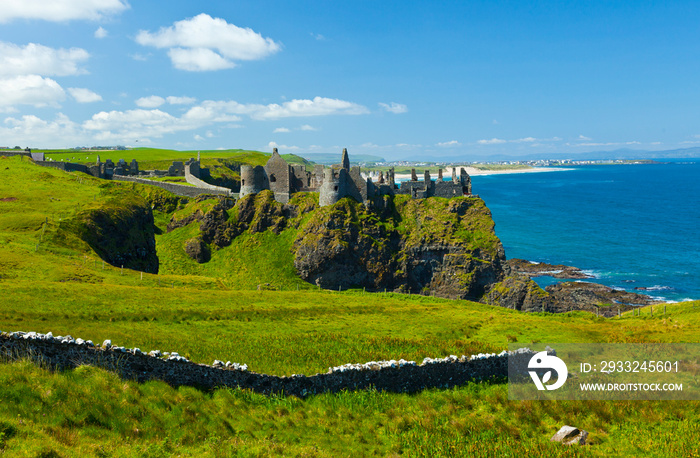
point(398, 79)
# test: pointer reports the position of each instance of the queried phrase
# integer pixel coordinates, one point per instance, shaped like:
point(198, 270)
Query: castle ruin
point(342, 180)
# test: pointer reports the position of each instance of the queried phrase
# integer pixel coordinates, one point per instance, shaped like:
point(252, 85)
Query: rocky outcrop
point(444, 247)
point(198, 250)
point(519, 292)
point(541, 269)
point(261, 212)
point(570, 435)
point(120, 231)
point(591, 296)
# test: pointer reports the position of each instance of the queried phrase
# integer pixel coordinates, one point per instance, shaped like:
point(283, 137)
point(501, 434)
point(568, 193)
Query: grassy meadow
point(51, 281)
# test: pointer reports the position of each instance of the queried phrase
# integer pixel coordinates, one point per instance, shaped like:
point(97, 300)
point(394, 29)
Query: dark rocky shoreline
point(520, 292)
point(541, 269)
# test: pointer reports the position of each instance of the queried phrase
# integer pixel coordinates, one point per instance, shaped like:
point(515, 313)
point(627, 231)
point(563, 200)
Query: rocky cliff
point(443, 247)
point(120, 230)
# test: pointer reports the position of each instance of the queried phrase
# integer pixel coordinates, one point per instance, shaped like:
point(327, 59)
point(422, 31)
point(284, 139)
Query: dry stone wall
point(65, 352)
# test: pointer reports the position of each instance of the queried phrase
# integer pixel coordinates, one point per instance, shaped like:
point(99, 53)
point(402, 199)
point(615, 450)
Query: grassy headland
point(52, 281)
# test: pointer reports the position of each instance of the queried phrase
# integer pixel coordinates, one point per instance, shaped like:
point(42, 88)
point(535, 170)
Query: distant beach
point(472, 171)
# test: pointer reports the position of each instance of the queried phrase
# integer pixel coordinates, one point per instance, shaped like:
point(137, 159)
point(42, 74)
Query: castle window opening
point(335, 188)
point(272, 178)
point(242, 182)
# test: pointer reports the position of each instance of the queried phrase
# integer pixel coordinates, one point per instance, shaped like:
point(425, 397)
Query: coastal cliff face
point(436, 246)
point(443, 247)
point(120, 231)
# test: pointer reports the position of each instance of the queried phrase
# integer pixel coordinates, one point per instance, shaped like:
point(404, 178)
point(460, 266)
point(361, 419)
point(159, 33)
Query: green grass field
point(52, 282)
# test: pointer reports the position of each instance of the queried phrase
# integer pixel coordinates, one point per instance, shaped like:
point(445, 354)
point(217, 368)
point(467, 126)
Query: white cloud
point(36, 59)
point(317, 36)
point(140, 57)
point(60, 10)
point(583, 137)
point(152, 101)
point(149, 121)
point(30, 90)
point(210, 111)
point(82, 95)
point(29, 130)
point(394, 107)
point(307, 127)
point(451, 143)
point(203, 43)
point(281, 130)
point(495, 122)
point(198, 60)
point(319, 106)
point(134, 125)
point(101, 33)
point(634, 142)
point(271, 145)
point(493, 141)
point(531, 140)
point(180, 100)
point(198, 137)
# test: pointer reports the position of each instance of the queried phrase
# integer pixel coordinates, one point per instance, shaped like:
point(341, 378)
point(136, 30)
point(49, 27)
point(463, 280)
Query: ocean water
point(631, 226)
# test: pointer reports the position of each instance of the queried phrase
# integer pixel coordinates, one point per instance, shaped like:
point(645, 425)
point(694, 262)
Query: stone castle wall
point(177, 189)
point(192, 179)
point(394, 376)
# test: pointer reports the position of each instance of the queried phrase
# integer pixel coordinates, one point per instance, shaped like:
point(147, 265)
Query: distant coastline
point(473, 171)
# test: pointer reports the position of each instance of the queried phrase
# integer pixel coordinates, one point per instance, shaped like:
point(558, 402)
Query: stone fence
point(60, 353)
point(34, 156)
point(177, 189)
point(65, 166)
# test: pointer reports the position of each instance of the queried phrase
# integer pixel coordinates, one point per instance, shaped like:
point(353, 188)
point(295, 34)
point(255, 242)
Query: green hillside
point(53, 281)
point(224, 165)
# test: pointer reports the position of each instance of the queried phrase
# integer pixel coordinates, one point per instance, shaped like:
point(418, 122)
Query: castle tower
point(252, 180)
point(332, 189)
point(279, 177)
point(345, 161)
point(466, 182)
point(414, 177)
point(439, 176)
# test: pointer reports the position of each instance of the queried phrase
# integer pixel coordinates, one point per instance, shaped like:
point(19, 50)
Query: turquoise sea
point(634, 227)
